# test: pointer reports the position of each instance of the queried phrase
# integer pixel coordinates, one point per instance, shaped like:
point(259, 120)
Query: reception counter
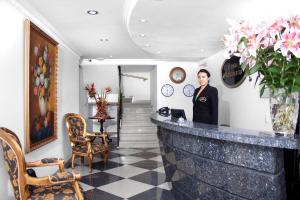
point(214, 162)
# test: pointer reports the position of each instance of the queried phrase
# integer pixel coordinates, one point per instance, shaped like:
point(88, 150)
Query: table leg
point(101, 129)
point(101, 125)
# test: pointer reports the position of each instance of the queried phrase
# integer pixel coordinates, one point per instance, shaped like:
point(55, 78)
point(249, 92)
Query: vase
point(42, 106)
point(284, 112)
point(101, 112)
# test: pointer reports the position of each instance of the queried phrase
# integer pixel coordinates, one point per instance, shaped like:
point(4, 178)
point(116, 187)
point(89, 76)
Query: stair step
point(126, 126)
point(136, 110)
point(137, 119)
point(138, 130)
point(136, 105)
point(138, 144)
point(129, 124)
point(136, 116)
point(138, 137)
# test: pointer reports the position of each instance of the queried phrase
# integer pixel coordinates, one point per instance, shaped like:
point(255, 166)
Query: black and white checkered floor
point(131, 174)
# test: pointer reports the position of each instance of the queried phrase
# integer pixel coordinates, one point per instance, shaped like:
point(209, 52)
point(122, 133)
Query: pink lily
point(289, 42)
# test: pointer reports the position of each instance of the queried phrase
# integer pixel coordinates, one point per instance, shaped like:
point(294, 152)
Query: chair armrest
point(47, 162)
point(57, 178)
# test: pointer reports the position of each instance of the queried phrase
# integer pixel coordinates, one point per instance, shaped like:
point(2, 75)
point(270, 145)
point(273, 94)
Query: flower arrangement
point(100, 99)
point(91, 90)
point(270, 49)
point(41, 79)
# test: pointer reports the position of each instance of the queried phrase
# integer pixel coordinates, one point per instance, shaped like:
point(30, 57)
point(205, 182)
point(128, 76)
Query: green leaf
point(262, 90)
point(290, 66)
point(296, 88)
point(244, 66)
point(297, 79)
point(254, 69)
point(274, 69)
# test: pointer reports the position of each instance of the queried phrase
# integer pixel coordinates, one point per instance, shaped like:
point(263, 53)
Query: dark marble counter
point(213, 162)
point(261, 138)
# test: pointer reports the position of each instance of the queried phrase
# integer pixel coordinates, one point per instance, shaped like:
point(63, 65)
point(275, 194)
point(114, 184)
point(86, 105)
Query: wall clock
point(177, 75)
point(167, 90)
point(188, 90)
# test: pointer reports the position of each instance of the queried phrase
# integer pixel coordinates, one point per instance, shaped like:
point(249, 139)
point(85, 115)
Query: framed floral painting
point(40, 87)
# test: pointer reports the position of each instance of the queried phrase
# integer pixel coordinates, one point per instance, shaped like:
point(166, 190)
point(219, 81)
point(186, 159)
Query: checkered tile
point(129, 174)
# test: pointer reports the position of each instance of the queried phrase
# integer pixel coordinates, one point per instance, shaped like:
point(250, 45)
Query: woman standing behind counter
point(205, 100)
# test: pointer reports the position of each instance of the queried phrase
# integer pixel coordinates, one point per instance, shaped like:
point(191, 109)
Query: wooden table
point(101, 120)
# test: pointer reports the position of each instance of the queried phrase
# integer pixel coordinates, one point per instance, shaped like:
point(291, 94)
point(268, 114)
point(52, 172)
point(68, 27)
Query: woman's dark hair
point(204, 71)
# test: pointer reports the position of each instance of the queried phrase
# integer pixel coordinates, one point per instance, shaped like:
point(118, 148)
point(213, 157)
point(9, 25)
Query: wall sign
point(232, 73)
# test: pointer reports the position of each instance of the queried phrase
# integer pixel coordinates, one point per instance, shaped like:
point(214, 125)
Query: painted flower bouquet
point(100, 99)
point(270, 49)
point(41, 81)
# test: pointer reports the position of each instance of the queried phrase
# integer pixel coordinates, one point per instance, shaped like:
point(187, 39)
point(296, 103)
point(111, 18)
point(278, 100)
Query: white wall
point(12, 91)
point(239, 107)
point(153, 88)
point(178, 99)
point(138, 88)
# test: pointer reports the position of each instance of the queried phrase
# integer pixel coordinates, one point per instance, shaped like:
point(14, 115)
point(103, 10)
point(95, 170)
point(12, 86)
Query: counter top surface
point(261, 138)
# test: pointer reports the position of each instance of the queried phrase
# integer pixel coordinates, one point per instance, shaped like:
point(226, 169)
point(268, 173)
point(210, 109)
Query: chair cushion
point(63, 191)
point(50, 160)
point(79, 149)
point(98, 148)
point(62, 176)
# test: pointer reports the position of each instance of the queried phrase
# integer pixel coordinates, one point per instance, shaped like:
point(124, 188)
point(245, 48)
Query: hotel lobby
point(114, 82)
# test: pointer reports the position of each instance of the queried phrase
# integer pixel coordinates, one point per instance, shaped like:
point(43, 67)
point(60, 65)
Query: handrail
point(120, 106)
point(134, 76)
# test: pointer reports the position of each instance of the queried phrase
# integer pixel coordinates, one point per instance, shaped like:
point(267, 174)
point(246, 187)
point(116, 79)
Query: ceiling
point(151, 29)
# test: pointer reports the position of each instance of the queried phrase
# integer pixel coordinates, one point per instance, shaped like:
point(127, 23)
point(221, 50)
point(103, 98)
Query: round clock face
point(177, 75)
point(188, 90)
point(167, 90)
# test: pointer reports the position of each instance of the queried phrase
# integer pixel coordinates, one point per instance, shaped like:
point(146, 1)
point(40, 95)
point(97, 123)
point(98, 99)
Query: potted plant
point(272, 51)
point(101, 101)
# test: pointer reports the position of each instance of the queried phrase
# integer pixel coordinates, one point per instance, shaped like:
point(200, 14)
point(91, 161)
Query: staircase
point(137, 131)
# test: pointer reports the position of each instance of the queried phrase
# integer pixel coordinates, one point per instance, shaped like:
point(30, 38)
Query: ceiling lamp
point(104, 39)
point(143, 20)
point(92, 12)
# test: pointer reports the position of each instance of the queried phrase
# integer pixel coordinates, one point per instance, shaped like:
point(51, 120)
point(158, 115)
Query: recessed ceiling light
point(147, 45)
point(92, 12)
point(110, 56)
point(142, 35)
point(158, 52)
point(104, 39)
point(201, 50)
point(143, 20)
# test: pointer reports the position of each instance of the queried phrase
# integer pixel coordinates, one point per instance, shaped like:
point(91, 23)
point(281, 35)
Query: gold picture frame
point(41, 52)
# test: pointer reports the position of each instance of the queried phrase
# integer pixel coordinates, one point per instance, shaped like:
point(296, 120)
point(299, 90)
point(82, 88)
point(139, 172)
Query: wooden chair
point(61, 185)
point(82, 142)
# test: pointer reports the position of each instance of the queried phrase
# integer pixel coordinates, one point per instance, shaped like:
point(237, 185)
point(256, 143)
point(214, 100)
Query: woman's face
point(203, 79)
